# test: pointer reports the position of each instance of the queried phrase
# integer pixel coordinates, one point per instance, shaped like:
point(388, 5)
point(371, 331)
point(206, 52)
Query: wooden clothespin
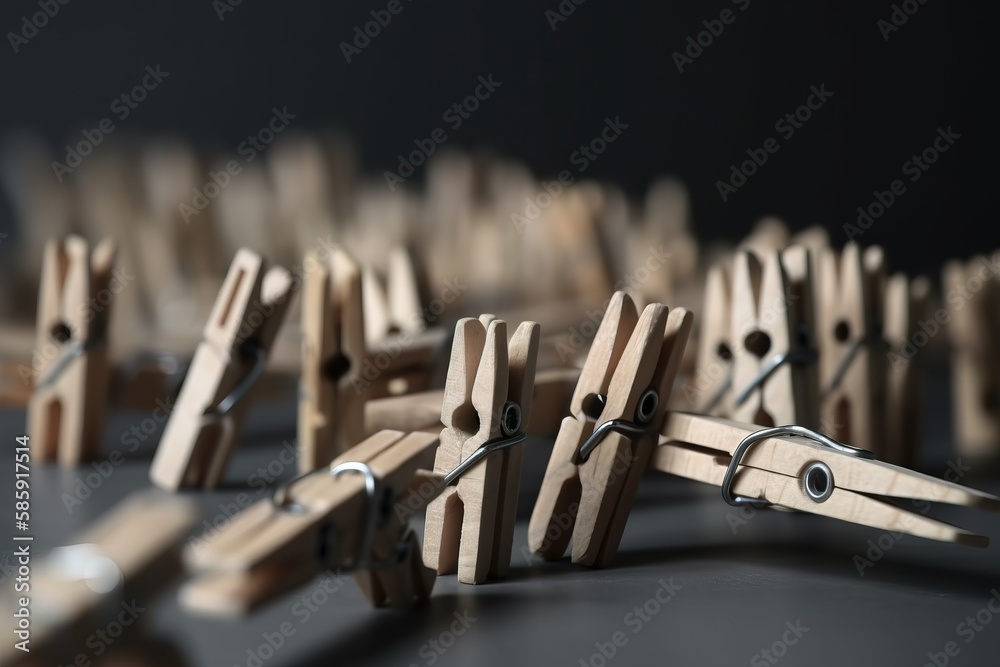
point(603, 448)
point(126, 559)
point(67, 409)
point(710, 388)
point(906, 304)
point(971, 293)
point(331, 409)
point(470, 528)
point(206, 420)
point(775, 379)
point(853, 359)
point(799, 469)
point(396, 307)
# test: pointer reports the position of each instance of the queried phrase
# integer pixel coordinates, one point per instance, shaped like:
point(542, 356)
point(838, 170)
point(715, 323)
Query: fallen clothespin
point(604, 446)
point(797, 468)
point(67, 409)
point(469, 529)
point(205, 423)
point(972, 297)
point(116, 567)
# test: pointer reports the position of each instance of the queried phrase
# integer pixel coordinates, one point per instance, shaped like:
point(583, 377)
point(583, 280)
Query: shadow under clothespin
point(469, 528)
point(604, 447)
point(67, 408)
point(206, 420)
point(114, 570)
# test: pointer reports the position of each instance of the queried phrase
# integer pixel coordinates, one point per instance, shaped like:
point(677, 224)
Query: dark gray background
point(739, 590)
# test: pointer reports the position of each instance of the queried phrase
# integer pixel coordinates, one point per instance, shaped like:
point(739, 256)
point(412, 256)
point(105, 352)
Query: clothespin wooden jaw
point(77, 588)
point(775, 380)
point(350, 517)
point(603, 448)
point(800, 469)
point(67, 409)
point(853, 360)
point(205, 423)
point(331, 416)
point(972, 298)
point(906, 304)
point(487, 399)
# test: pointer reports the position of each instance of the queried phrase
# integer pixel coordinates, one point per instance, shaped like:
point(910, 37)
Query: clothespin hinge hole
point(61, 332)
point(817, 481)
point(646, 409)
point(842, 331)
point(723, 352)
point(510, 421)
point(757, 343)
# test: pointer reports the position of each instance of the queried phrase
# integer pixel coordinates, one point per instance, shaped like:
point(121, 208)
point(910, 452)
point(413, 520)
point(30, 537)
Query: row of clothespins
point(353, 515)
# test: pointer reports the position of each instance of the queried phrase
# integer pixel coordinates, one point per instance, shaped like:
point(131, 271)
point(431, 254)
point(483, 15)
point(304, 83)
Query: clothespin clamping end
point(486, 407)
point(108, 570)
point(797, 468)
point(67, 409)
point(602, 449)
point(206, 419)
point(331, 411)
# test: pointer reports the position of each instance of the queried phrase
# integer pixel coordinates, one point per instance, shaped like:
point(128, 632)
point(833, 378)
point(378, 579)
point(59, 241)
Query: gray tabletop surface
point(775, 588)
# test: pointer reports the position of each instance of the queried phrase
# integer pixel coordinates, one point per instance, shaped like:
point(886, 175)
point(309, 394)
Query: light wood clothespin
point(775, 379)
point(470, 528)
point(710, 389)
point(205, 424)
point(853, 353)
point(603, 448)
point(906, 304)
point(972, 297)
point(800, 469)
point(67, 409)
point(331, 409)
point(396, 307)
point(128, 557)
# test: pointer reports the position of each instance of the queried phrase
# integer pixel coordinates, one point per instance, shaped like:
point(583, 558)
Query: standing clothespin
point(775, 379)
point(205, 423)
point(604, 447)
point(799, 469)
point(67, 409)
point(853, 360)
point(395, 308)
point(905, 307)
point(972, 296)
point(487, 400)
point(331, 411)
point(710, 388)
point(122, 563)
point(349, 517)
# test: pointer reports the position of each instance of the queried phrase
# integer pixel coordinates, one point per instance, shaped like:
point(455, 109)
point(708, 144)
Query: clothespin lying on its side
point(972, 295)
point(853, 353)
point(327, 520)
point(905, 306)
point(603, 448)
point(67, 409)
point(775, 380)
point(799, 469)
point(331, 411)
point(114, 567)
point(205, 422)
point(487, 400)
